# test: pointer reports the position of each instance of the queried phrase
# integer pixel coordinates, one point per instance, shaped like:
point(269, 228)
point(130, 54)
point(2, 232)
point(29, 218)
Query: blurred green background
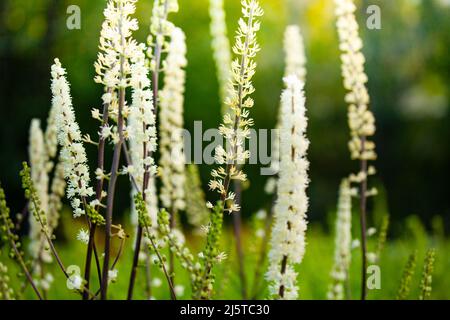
point(408, 65)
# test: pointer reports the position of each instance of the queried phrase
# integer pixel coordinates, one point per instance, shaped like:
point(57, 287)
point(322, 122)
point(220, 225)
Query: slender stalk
point(138, 233)
point(163, 266)
point(129, 163)
point(171, 255)
point(23, 266)
point(148, 275)
point(97, 263)
point(116, 259)
point(137, 248)
point(87, 266)
point(56, 255)
point(119, 253)
point(237, 224)
point(111, 192)
point(363, 211)
point(99, 190)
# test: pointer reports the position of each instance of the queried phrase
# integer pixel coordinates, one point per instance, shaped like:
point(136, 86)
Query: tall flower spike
point(295, 61)
point(407, 277)
point(142, 133)
point(159, 29)
point(360, 119)
point(427, 275)
point(39, 175)
point(343, 239)
point(73, 154)
point(221, 48)
point(172, 162)
point(288, 230)
point(236, 124)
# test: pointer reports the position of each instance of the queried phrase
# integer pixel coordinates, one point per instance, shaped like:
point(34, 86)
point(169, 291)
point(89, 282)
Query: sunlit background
point(407, 63)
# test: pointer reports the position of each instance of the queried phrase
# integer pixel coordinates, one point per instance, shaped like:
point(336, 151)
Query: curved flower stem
point(237, 119)
point(237, 224)
point(99, 190)
point(128, 161)
point(363, 209)
point(111, 192)
point(116, 259)
point(137, 249)
point(119, 253)
point(56, 255)
point(23, 265)
point(163, 266)
point(148, 274)
point(87, 266)
point(171, 255)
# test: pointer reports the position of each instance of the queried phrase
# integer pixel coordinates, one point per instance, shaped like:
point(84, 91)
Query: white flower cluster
point(73, 154)
point(236, 124)
point(288, 230)
point(118, 49)
point(343, 242)
point(172, 162)
point(112, 275)
point(83, 236)
point(39, 175)
point(221, 47)
point(361, 119)
point(141, 123)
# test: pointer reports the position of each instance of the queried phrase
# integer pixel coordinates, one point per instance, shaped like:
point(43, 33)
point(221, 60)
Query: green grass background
point(313, 273)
